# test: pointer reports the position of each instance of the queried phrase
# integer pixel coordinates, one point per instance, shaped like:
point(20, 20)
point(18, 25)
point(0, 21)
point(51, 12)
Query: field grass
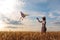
point(29, 36)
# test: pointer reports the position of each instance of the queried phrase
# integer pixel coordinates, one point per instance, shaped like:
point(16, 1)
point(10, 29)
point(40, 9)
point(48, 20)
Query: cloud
point(14, 22)
point(35, 13)
point(56, 23)
point(31, 25)
point(11, 7)
point(7, 6)
point(54, 14)
point(10, 21)
point(27, 23)
point(51, 15)
point(37, 5)
point(19, 5)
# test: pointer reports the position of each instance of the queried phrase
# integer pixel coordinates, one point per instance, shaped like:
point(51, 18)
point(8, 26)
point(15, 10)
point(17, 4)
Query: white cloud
point(51, 15)
point(54, 14)
point(36, 13)
point(7, 6)
point(28, 24)
point(19, 5)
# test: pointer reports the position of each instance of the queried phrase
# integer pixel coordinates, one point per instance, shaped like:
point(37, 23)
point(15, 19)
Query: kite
point(23, 15)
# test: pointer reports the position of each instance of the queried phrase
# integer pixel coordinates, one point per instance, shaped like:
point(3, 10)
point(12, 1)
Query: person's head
point(44, 18)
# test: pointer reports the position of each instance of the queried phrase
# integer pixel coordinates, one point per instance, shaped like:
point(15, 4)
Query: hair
point(44, 18)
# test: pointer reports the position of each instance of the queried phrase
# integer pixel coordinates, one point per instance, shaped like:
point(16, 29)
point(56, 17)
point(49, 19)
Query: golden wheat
point(29, 36)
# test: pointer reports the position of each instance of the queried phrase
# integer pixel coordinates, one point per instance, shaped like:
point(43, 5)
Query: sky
point(10, 14)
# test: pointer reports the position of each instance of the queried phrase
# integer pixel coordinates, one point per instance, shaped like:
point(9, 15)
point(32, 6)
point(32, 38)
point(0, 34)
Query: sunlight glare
point(7, 6)
point(2, 24)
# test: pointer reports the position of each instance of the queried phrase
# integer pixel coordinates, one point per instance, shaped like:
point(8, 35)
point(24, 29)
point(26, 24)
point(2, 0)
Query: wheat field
point(29, 36)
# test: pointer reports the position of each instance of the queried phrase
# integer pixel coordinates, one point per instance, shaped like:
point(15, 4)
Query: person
point(43, 30)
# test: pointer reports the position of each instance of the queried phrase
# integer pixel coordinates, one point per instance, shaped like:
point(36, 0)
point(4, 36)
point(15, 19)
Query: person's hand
point(37, 18)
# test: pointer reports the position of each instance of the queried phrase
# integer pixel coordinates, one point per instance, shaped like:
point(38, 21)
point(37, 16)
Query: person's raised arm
point(38, 20)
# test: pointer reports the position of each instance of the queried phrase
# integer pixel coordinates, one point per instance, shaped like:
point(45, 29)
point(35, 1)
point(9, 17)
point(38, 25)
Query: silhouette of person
point(43, 29)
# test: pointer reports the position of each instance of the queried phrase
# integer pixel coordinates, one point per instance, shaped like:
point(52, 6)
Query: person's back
point(43, 30)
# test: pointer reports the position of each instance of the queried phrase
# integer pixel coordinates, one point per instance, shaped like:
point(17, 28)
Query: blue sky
point(49, 8)
point(34, 8)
